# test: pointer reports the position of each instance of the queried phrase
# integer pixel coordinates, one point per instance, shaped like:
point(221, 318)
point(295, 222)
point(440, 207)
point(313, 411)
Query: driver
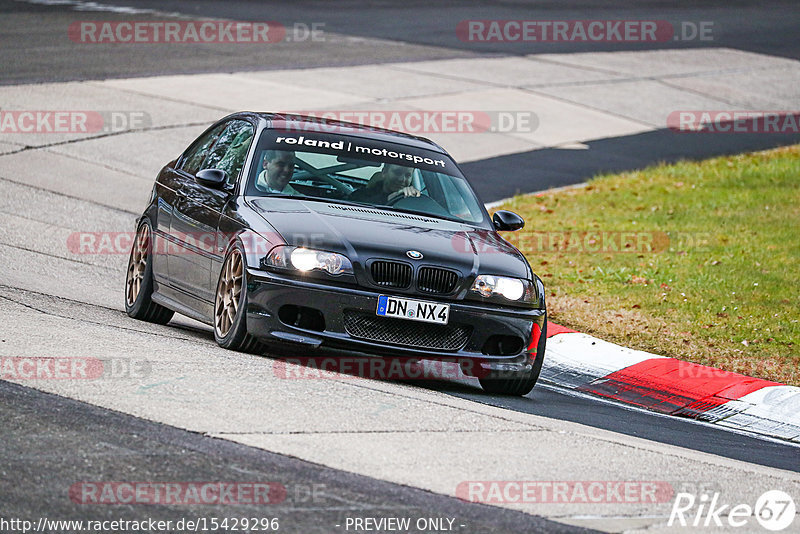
point(391, 183)
point(278, 170)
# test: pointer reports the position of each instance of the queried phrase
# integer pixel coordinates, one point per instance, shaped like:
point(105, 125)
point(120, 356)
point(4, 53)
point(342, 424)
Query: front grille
point(407, 333)
point(433, 280)
point(391, 274)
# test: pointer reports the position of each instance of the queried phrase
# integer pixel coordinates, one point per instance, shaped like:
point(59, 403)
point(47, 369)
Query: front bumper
point(268, 293)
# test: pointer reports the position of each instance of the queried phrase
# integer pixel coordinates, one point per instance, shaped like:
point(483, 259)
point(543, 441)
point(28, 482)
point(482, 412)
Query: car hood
point(363, 233)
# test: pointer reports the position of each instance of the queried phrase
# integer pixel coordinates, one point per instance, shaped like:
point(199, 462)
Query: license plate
point(413, 310)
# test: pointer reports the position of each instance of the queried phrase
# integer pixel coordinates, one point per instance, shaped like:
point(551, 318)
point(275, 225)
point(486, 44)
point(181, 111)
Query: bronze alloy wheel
point(137, 265)
point(139, 284)
point(229, 290)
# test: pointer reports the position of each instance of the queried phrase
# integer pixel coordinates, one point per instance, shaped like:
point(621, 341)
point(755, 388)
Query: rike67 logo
point(774, 510)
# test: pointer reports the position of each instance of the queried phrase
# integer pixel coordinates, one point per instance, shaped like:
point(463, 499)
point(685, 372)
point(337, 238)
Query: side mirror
point(507, 221)
point(213, 178)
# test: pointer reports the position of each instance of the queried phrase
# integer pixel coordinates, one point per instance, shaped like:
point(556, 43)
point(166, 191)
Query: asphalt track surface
point(35, 50)
point(382, 32)
point(50, 442)
point(541, 169)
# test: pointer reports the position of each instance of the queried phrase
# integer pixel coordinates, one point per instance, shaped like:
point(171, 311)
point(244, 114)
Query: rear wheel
point(139, 281)
point(518, 384)
point(230, 305)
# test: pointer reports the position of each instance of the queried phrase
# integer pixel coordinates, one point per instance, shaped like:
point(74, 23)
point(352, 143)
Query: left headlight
point(510, 289)
point(305, 259)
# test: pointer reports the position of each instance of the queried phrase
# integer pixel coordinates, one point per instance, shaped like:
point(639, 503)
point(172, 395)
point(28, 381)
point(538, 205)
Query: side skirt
point(200, 310)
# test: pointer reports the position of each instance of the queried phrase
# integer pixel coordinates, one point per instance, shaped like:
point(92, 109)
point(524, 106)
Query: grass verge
point(696, 260)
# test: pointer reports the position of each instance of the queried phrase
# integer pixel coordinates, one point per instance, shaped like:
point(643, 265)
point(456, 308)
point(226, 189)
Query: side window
point(196, 153)
point(225, 141)
point(241, 134)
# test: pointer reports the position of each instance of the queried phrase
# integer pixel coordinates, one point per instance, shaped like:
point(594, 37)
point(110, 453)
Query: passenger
point(391, 183)
point(278, 168)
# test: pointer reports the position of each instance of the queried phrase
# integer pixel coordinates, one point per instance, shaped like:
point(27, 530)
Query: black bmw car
point(287, 230)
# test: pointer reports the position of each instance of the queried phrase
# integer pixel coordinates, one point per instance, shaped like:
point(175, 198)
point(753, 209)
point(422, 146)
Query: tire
point(500, 383)
point(230, 305)
point(139, 281)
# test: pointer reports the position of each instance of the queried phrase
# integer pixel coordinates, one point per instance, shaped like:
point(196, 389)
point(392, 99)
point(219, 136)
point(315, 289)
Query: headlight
point(306, 259)
point(513, 289)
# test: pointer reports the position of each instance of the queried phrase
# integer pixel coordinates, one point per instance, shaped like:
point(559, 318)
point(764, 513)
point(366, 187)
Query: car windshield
point(359, 171)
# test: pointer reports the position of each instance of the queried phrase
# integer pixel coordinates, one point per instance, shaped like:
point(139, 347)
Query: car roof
point(311, 124)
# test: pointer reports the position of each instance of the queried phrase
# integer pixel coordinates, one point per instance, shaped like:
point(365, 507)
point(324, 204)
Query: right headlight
point(505, 289)
point(303, 260)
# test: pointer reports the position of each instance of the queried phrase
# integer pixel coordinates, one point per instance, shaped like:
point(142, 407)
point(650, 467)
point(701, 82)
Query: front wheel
point(517, 384)
point(139, 281)
point(230, 305)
